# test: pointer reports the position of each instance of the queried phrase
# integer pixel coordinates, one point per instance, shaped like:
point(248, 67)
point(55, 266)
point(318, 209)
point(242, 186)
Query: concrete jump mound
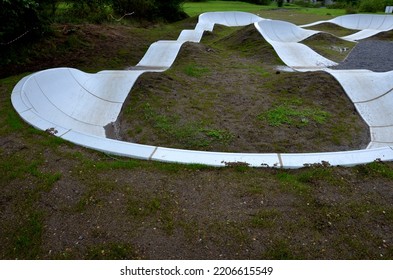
point(77, 106)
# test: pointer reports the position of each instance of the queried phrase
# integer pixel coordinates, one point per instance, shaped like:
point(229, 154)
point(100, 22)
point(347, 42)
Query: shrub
point(18, 17)
point(170, 10)
point(95, 11)
point(351, 10)
point(373, 6)
point(258, 2)
point(307, 4)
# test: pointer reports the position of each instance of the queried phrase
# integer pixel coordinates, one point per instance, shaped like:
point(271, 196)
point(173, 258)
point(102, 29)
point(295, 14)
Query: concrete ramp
point(372, 95)
point(285, 38)
point(191, 36)
point(161, 54)
point(282, 31)
point(368, 24)
point(365, 21)
point(73, 99)
point(77, 106)
point(207, 21)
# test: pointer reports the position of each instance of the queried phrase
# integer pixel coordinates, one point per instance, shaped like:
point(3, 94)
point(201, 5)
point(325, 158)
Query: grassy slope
point(59, 201)
point(196, 8)
point(255, 114)
point(309, 14)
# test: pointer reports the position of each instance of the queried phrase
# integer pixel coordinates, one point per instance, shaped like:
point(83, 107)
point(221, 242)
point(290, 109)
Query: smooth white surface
point(191, 36)
point(369, 24)
point(282, 31)
point(228, 18)
point(364, 85)
point(285, 38)
point(161, 54)
point(77, 106)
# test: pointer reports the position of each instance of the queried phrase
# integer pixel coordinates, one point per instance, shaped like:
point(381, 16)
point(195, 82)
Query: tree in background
point(169, 10)
point(373, 6)
point(18, 17)
point(95, 11)
point(23, 20)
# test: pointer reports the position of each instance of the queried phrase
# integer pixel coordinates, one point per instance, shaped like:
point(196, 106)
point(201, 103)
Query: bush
point(17, 18)
point(170, 10)
point(373, 6)
point(351, 10)
point(22, 23)
point(258, 2)
point(95, 11)
point(307, 4)
point(338, 5)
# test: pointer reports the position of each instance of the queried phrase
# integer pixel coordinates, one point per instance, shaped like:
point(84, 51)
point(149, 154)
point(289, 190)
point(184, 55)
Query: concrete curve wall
point(285, 38)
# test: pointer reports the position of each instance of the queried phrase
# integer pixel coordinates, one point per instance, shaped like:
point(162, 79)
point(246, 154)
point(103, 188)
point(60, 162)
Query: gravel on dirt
point(374, 55)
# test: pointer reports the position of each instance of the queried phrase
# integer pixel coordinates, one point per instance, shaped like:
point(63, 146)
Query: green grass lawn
point(196, 8)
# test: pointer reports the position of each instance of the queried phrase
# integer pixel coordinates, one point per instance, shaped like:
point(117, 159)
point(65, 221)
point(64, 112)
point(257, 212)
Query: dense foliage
point(150, 9)
point(362, 6)
point(373, 6)
point(25, 17)
point(19, 17)
point(258, 2)
point(25, 21)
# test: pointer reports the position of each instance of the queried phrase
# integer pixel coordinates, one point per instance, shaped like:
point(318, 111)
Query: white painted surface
point(191, 36)
point(161, 54)
point(285, 38)
point(282, 31)
point(368, 24)
point(364, 85)
point(76, 105)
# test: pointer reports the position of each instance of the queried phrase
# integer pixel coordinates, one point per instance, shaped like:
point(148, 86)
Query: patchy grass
point(330, 47)
point(196, 109)
point(190, 134)
point(291, 113)
point(375, 168)
point(196, 71)
point(27, 239)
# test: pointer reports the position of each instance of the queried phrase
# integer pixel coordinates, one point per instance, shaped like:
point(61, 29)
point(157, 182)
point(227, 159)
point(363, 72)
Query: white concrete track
point(76, 106)
point(368, 24)
point(285, 38)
